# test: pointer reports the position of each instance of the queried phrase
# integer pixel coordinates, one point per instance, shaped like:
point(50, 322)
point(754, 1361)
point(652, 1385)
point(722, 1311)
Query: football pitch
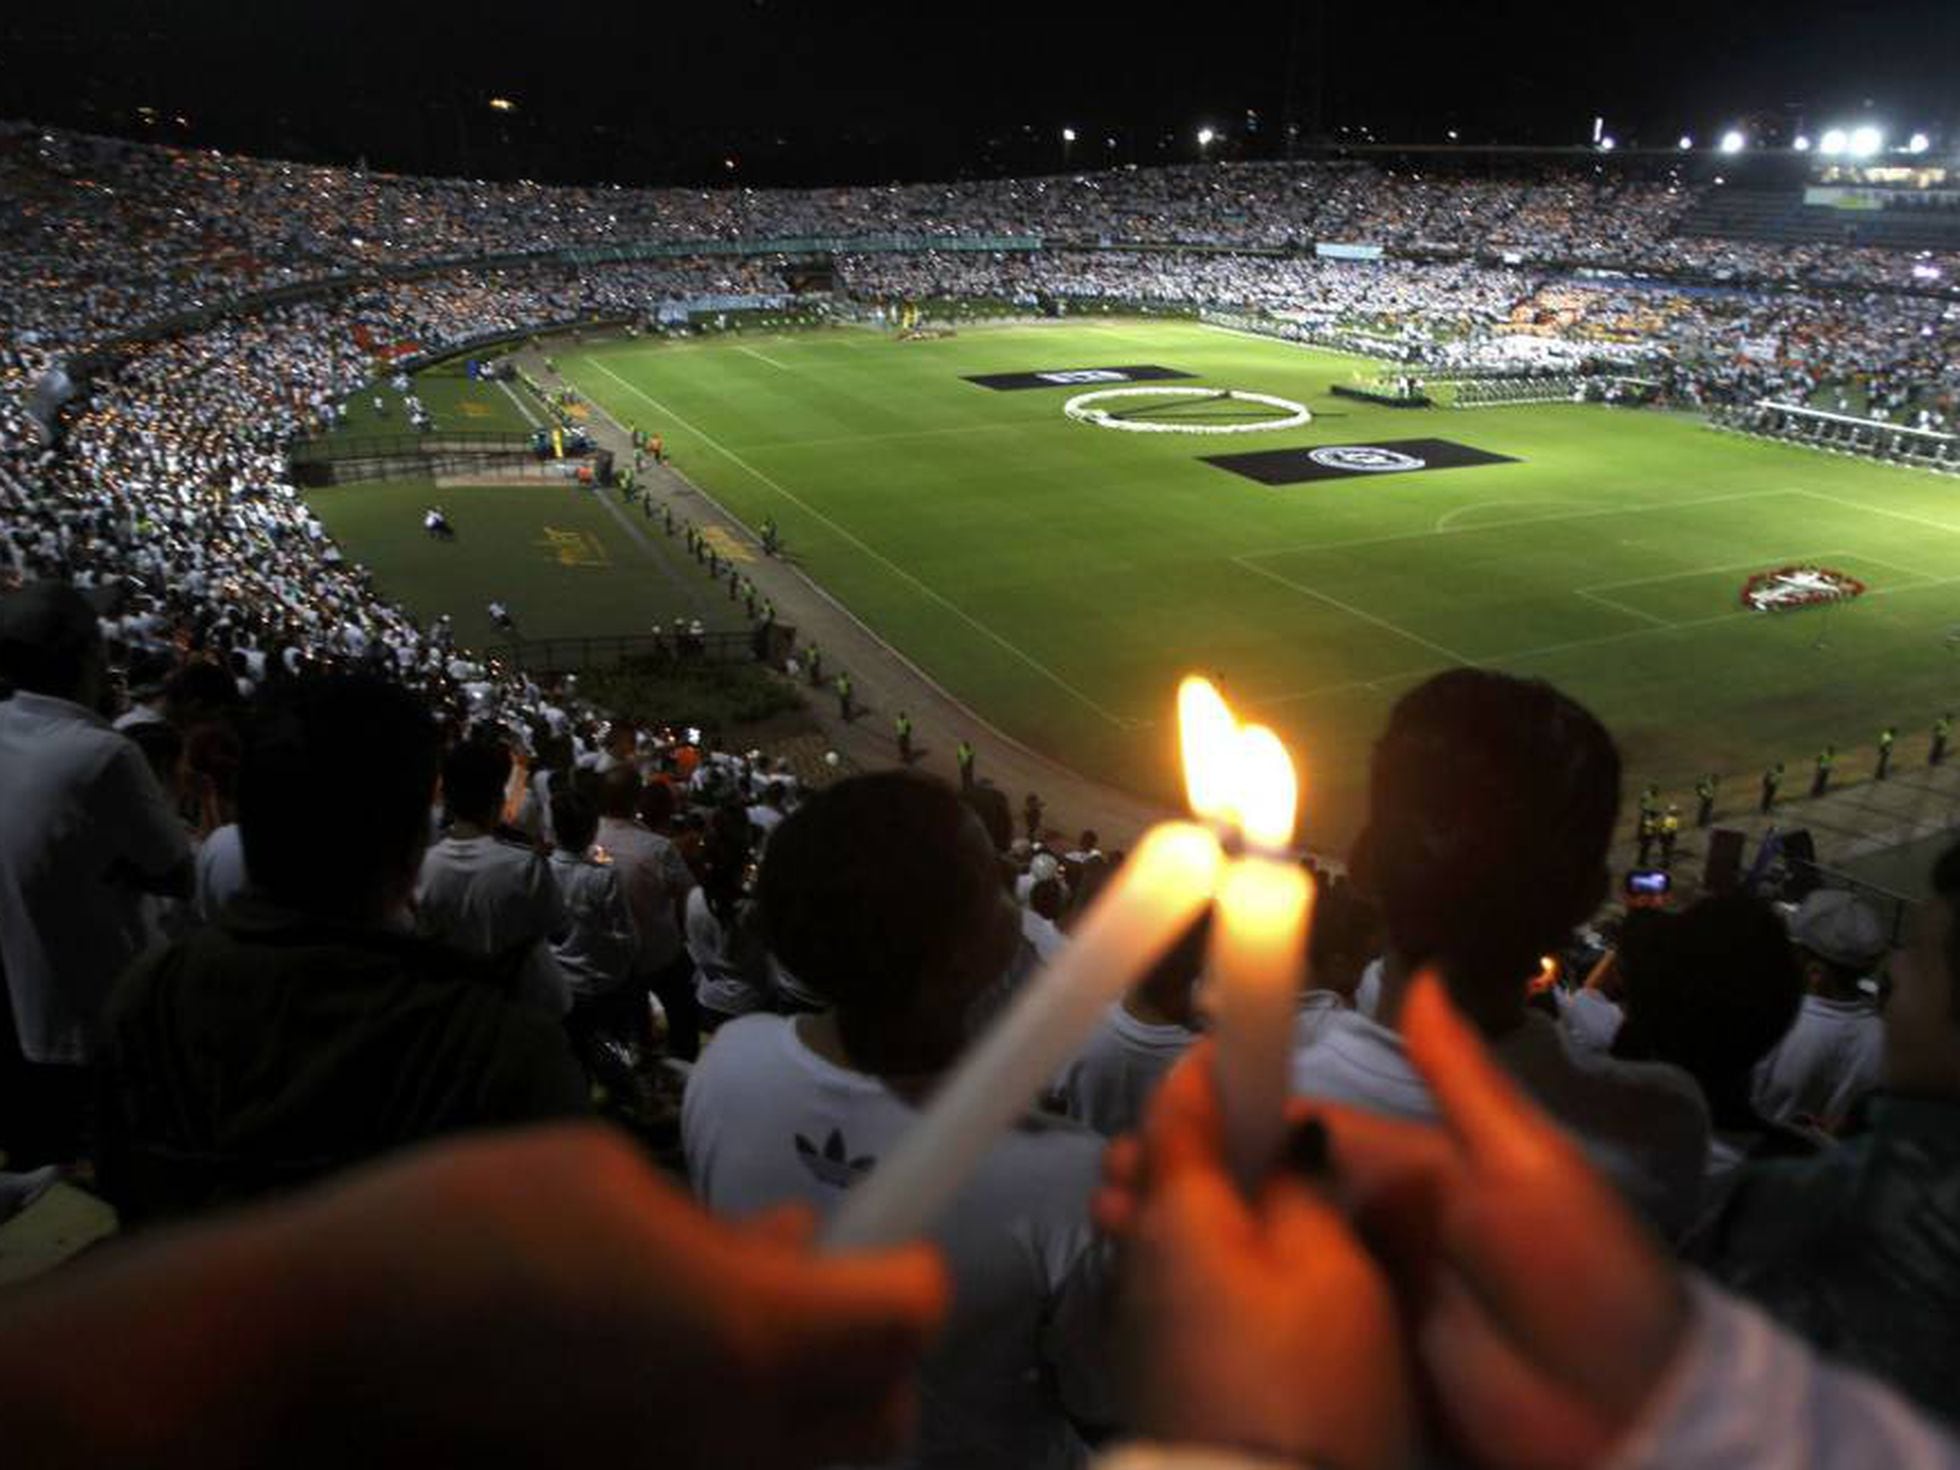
point(1059, 576)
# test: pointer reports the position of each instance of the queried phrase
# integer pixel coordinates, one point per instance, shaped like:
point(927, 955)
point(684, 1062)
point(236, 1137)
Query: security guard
point(1942, 728)
point(844, 698)
point(1885, 739)
point(813, 660)
point(1826, 758)
point(1772, 778)
point(902, 733)
point(1670, 832)
point(965, 755)
point(1705, 800)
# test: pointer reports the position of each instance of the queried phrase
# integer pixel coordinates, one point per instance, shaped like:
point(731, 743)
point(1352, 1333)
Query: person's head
point(333, 795)
point(655, 805)
point(574, 822)
point(200, 691)
point(163, 747)
point(1346, 935)
point(1170, 987)
point(1922, 1016)
point(1490, 807)
point(881, 893)
point(51, 643)
point(1045, 898)
point(1710, 989)
point(1088, 840)
point(619, 793)
point(474, 776)
point(1840, 939)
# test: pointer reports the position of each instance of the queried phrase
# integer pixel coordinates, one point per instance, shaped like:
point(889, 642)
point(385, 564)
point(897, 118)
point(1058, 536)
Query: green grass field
point(1059, 577)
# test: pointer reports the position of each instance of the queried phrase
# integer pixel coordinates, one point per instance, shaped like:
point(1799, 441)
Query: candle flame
point(1268, 790)
point(1240, 776)
point(1208, 735)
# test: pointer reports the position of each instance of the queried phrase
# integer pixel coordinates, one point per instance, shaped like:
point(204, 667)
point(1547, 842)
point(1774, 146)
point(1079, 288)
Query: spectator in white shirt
point(485, 895)
point(1110, 1082)
point(87, 835)
point(1038, 919)
point(731, 969)
point(596, 947)
point(883, 893)
point(1833, 1055)
point(656, 879)
point(1491, 804)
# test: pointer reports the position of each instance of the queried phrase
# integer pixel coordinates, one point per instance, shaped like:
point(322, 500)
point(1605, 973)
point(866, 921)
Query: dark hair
point(474, 775)
point(1490, 807)
point(1045, 898)
point(868, 896)
point(199, 691)
point(619, 789)
point(574, 821)
point(333, 792)
point(1710, 989)
point(656, 804)
point(48, 633)
point(1946, 883)
point(1346, 934)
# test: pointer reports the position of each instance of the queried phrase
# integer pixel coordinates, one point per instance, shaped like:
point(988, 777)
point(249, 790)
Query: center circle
point(1086, 408)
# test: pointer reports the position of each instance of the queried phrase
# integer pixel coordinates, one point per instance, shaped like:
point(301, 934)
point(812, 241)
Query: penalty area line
point(879, 557)
point(762, 357)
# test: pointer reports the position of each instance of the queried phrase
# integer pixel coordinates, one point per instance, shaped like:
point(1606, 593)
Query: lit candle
point(1242, 779)
point(1149, 903)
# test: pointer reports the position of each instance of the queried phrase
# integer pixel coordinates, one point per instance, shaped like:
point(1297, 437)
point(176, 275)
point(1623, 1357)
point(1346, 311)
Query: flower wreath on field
point(1787, 588)
point(1085, 408)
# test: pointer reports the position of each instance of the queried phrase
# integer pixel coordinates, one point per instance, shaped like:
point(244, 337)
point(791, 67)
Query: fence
point(572, 655)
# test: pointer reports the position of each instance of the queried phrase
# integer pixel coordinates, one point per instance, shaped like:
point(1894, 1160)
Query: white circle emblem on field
point(1365, 458)
point(1086, 408)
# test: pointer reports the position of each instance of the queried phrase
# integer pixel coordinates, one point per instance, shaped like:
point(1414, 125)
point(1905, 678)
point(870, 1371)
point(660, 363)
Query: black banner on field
point(1076, 377)
point(1346, 461)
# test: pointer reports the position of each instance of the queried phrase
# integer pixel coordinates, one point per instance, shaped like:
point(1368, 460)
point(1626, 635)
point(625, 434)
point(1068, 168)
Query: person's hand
point(1263, 1326)
point(543, 1298)
point(1543, 1314)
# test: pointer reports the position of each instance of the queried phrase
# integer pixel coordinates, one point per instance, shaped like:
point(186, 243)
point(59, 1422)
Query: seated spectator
point(1491, 806)
point(1710, 990)
point(1109, 1083)
point(306, 1029)
point(596, 947)
point(785, 1109)
point(1038, 919)
point(1593, 1014)
point(87, 838)
point(656, 879)
point(731, 971)
point(1831, 1056)
point(1859, 1248)
point(485, 894)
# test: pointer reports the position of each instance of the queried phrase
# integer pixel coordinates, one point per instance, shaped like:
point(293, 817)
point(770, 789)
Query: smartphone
point(1648, 883)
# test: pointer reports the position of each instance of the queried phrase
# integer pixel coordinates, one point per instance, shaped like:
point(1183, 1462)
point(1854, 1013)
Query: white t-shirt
point(491, 897)
point(1040, 932)
point(1643, 1123)
point(767, 1121)
point(1368, 994)
point(720, 985)
point(1830, 1057)
point(1590, 1019)
point(220, 871)
point(79, 812)
point(1110, 1081)
point(597, 948)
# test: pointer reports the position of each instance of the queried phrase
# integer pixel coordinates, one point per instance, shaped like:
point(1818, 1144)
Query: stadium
point(719, 644)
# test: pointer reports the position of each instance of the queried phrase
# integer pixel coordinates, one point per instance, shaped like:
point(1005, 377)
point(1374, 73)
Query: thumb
point(1483, 1109)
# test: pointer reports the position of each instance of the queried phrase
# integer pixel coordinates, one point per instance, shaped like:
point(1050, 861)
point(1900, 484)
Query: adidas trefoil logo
point(832, 1163)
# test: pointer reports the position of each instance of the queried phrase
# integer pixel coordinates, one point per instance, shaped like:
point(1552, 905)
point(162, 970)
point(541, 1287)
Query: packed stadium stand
point(243, 956)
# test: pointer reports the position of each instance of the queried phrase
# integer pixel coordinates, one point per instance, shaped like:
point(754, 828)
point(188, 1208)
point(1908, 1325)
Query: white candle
point(1149, 903)
point(1258, 968)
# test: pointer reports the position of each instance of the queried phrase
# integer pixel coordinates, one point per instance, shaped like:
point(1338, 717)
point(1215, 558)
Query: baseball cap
point(1840, 927)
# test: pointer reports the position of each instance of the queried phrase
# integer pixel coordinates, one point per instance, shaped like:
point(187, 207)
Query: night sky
point(814, 92)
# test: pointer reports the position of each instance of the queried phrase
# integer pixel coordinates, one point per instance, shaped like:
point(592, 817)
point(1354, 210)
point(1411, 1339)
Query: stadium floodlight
point(1205, 136)
point(502, 104)
point(1918, 143)
point(1833, 142)
point(1068, 135)
point(1865, 141)
point(1684, 142)
point(1801, 143)
point(1733, 141)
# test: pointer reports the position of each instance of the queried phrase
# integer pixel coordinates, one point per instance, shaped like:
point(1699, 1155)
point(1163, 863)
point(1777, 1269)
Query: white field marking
point(1761, 563)
point(762, 357)
point(529, 417)
point(816, 515)
point(1879, 510)
point(1550, 648)
point(1621, 607)
point(1349, 608)
point(1448, 518)
point(894, 434)
point(1266, 553)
